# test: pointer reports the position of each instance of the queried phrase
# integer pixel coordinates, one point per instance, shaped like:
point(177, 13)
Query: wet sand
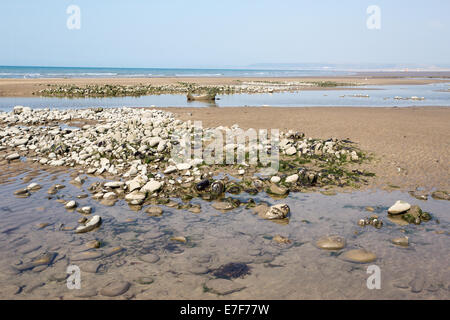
point(26, 87)
point(411, 146)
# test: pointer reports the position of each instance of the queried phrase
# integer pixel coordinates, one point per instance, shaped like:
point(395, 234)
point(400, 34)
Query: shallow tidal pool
point(139, 259)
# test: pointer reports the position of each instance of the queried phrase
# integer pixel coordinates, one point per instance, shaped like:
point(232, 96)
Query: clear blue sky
point(210, 33)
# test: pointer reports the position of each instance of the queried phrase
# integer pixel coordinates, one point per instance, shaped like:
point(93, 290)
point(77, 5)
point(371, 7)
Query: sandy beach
point(411, 145)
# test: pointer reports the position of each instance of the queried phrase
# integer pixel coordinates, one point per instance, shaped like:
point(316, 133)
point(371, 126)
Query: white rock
point(292, 179)
point(183, 166)
point(90, 225)
point(108, 195)
point(170, 169)
point(71, 204)
point(151, 186)
point(13, 156)
point(399, 207)
point(291, 151)
point(275, 179)
point(115, 184)
point(135, 197)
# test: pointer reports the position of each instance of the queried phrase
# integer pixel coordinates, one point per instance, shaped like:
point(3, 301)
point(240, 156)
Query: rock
point(115, 288)
point(85, 293)
point(109, 196)
point(93, 244)
point(281, 239)
point(91, 267)
point(292, 179)
point(135, 197)
point(91, 224)
point(71, 204)
point(278, 211)
point(274, 189)
point(359, 255)
point(151, 186)
point(402, 241)
point(421, 195)
point(149, 258)
point(275, 179)
point(145, 280)
point(202, 185)
point(217, 188)
point(184, 166)
point(86, 210)
point(17, 109)
point(86, 255)
point(179, 239)
point(13, 156)
point(331, 243)
point(33, 186)
point(114, 184)
point(170, 169)
point(223, 286)
point(440, 195)
point(22, 192)
point(291, 151)
point(154, 211)
point(223, 205)
point(399, 207)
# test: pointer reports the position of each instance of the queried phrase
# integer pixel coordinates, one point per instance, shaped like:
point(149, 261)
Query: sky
point(222, 34)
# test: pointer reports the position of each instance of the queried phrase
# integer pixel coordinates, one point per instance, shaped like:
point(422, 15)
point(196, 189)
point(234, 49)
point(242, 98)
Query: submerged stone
point(331, 243)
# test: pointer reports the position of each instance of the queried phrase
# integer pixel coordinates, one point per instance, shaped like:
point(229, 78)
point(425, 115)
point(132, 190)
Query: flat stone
point(115, 288)
point(222, 205)
point(359, 255)
point(154, 211)
point(402, 241)
point(399, 207)
point(223, 286)
point(440, 195)
point(135, 197)
point(331, 243)
point(149, 258)
point(87, 255)
point(114, 184)
point(151, 186)
point(13, 156)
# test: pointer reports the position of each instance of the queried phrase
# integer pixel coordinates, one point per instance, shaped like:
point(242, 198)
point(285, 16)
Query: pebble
point(359, 255)
point(440, 195)
point(179, 239)
point(331, 243)
point(278, 211)
point(13, 156)
point(275, 179)
point(71, 204)
point(399, 207)
point(278, 190)
point(223, 286)
point(115, 288)
point(150, 258)
point(91, 224)
point(223, 205)
point(154, 211)
point(292, 179)
point(281, 239)
point(33, 186)
point(87, 255)
point(402, 241)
